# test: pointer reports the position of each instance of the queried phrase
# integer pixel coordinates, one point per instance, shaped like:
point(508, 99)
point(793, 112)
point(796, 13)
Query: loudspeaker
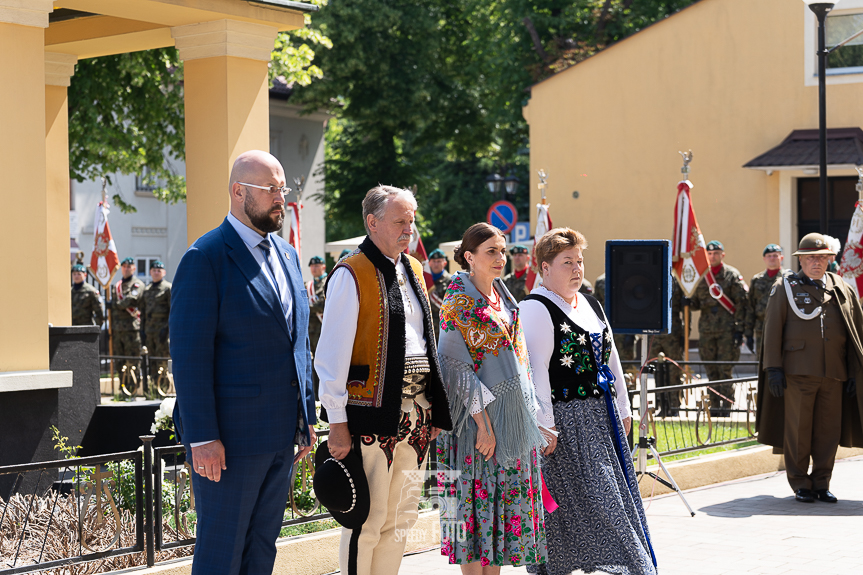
point(638, 285)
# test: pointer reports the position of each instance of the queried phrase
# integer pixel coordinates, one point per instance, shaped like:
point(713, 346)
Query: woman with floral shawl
point(491, 505)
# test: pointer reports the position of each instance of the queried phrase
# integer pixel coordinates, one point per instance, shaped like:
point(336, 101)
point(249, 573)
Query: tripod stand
point(645, 443)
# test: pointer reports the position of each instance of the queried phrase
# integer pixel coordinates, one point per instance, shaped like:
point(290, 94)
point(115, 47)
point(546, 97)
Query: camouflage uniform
point(436, 295)
point(671, 344)
point(586, 287)
point(759, 293)
point(155, 307)
point(86, 305)
point(717, 329)
point(625, 343)
point(517, 286)
point(317, 311)
point(126, 328)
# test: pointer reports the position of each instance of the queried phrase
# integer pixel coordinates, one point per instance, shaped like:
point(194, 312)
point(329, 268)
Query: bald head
point(255, 207)
point(253, 165)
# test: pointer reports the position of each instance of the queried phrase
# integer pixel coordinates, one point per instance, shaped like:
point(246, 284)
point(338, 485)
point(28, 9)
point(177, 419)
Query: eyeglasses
point(272, 190)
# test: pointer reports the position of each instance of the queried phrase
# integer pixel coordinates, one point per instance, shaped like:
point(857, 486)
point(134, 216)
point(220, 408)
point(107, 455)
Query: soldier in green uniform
point(516, 281)
point(810, 364)
point(671, 344)
point(759, 292)
point(441, 278)
point(126, 328)
point(317, 297)
point(155, 307)
point(86, 301)
point(625, 343)
point(721, 325)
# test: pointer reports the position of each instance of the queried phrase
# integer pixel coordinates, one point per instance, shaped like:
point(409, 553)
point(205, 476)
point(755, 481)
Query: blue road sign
point(521, 232)
point(503, 216)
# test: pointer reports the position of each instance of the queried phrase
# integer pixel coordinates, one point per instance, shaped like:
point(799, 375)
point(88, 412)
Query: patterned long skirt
point(600, 523)
point(489, 513)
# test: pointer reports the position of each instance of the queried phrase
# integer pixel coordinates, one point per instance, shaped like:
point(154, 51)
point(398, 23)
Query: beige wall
point(724, 78)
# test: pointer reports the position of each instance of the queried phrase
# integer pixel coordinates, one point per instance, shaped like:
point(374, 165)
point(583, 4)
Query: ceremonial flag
point(689, 254)
point(851, 266)
point(293, 234)
point(543, 224)
point(417, 249)
point(104, 261)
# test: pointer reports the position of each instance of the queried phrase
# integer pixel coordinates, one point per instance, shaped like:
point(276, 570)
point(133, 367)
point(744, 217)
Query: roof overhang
point(801, 151)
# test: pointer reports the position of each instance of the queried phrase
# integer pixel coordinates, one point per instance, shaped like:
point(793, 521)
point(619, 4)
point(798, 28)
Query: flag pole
point(687, 158)
point(109, 304)
point(543, 182)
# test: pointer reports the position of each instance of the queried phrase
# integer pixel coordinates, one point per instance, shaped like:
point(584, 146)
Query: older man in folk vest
point(380, 381)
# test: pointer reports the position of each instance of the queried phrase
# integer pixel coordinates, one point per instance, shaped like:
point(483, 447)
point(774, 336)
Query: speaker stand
point(645, 443)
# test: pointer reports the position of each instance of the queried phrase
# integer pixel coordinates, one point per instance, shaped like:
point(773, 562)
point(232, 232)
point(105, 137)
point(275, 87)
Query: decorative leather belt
point(416, 373)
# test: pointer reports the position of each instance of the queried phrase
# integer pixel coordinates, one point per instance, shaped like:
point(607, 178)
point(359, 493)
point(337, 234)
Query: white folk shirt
point(339, 329)
point(539, 335)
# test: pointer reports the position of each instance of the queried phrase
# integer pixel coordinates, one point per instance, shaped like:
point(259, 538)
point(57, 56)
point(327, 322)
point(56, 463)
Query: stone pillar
point(227, 109)
point(24, 217)
point(58, 73)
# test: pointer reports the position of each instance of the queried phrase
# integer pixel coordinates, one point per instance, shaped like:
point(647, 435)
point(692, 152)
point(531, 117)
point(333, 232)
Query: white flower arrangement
point(164, 416)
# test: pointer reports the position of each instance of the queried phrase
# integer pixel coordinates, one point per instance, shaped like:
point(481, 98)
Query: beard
point(263, 219)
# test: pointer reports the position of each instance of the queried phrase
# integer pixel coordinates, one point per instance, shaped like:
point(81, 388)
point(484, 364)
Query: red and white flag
point(689, 253)
point(292, 214)
point(851, 266)
point(417, 249)
point(543, 224)
point(104, 261)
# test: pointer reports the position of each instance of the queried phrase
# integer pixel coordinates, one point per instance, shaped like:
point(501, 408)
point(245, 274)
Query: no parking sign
point(503, 216)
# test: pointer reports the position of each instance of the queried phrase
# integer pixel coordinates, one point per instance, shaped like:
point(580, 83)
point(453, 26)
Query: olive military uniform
point(586, 287)
point(625, 343)
point(436, 295)
point(720, 331)
point(316, 309)
point(671, 344)
point(517, 284)
point(155, 307)
point(815, 364)
point(86, 305)
point(759, 293)
point(126, 328)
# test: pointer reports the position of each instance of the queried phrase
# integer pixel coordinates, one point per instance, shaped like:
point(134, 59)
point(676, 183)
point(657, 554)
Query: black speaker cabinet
point(638, 285)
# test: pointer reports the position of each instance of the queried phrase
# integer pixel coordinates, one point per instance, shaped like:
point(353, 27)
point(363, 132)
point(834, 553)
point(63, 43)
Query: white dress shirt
point(539, 335)
point(339, 329)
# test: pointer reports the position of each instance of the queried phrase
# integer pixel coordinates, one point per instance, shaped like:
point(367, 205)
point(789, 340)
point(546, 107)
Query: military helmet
point(771, 248)
point(316, 260)
point(130, 261)
point(79, 268)
point(518, 249)
point(715, 245)
point(437, 254)
point(812, 245)
point(157, 264)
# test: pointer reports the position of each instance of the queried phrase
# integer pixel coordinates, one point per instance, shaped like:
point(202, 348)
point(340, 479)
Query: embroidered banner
point(104, 260)
point(689, 253)
point(851, 267)
point(543, 224)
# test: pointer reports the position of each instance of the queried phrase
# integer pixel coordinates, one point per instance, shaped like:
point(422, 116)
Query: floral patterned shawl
point(482, 357)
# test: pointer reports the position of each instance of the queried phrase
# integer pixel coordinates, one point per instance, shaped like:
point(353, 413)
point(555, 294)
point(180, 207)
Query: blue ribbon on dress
point(605, 379)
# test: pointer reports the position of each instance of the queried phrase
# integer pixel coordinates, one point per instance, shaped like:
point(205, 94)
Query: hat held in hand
point(341, 486)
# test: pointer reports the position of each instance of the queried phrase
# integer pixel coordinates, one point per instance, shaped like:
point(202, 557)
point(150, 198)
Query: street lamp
point(821, 9)
point(510, 184)
point(493, 183)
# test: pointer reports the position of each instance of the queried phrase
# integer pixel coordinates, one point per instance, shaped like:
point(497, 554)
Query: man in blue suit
point(243, 372)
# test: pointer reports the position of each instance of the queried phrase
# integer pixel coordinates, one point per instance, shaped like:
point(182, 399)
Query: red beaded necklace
point(494, 305)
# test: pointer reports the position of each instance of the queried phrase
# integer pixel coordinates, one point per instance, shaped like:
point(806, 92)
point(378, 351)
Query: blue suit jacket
point(240, 376)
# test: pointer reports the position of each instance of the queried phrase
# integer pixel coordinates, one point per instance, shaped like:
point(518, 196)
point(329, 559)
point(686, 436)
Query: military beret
point(157, 264)
point(772, 248)
point(130, 261)
point(715, 245)
point(438, 253)
point(316, 260)
point(79, 268)
point(519, 249)
point(344, 253)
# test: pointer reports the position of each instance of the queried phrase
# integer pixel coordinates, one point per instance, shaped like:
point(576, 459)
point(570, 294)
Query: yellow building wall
point(57, 159)
point(724, 78)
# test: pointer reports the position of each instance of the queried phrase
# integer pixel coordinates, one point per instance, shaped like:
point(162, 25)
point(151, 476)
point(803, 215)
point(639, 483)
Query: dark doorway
point(842, 196)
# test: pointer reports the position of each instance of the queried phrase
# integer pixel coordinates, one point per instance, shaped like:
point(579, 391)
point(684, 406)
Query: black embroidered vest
point(572, 369)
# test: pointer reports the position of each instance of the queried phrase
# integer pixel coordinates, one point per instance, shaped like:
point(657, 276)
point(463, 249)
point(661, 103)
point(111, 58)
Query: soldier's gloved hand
point(686, 301)
point(738, 338)
point(750, 343)
point(163, 333)
point(851, 387)
point(776, 381)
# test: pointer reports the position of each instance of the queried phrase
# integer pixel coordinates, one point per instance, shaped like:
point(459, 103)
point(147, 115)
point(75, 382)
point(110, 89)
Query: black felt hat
point(341, 486)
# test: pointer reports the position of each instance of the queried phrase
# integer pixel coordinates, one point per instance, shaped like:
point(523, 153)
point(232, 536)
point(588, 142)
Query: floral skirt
point(600, 523)
point(489, 513)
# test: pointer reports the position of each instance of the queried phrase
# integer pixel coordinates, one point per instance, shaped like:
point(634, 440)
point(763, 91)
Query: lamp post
point(510, 184)
point(821, 9)
point(493, 183)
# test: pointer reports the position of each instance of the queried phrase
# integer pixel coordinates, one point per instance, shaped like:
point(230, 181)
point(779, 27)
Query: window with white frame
point(848, 58)
point(144, 263)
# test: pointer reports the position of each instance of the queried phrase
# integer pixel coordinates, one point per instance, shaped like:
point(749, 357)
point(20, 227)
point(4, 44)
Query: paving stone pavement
point(748, 526)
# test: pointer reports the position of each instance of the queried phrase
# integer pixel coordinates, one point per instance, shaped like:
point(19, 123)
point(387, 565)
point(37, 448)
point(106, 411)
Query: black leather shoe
point(825, 496)
point(804, 496)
